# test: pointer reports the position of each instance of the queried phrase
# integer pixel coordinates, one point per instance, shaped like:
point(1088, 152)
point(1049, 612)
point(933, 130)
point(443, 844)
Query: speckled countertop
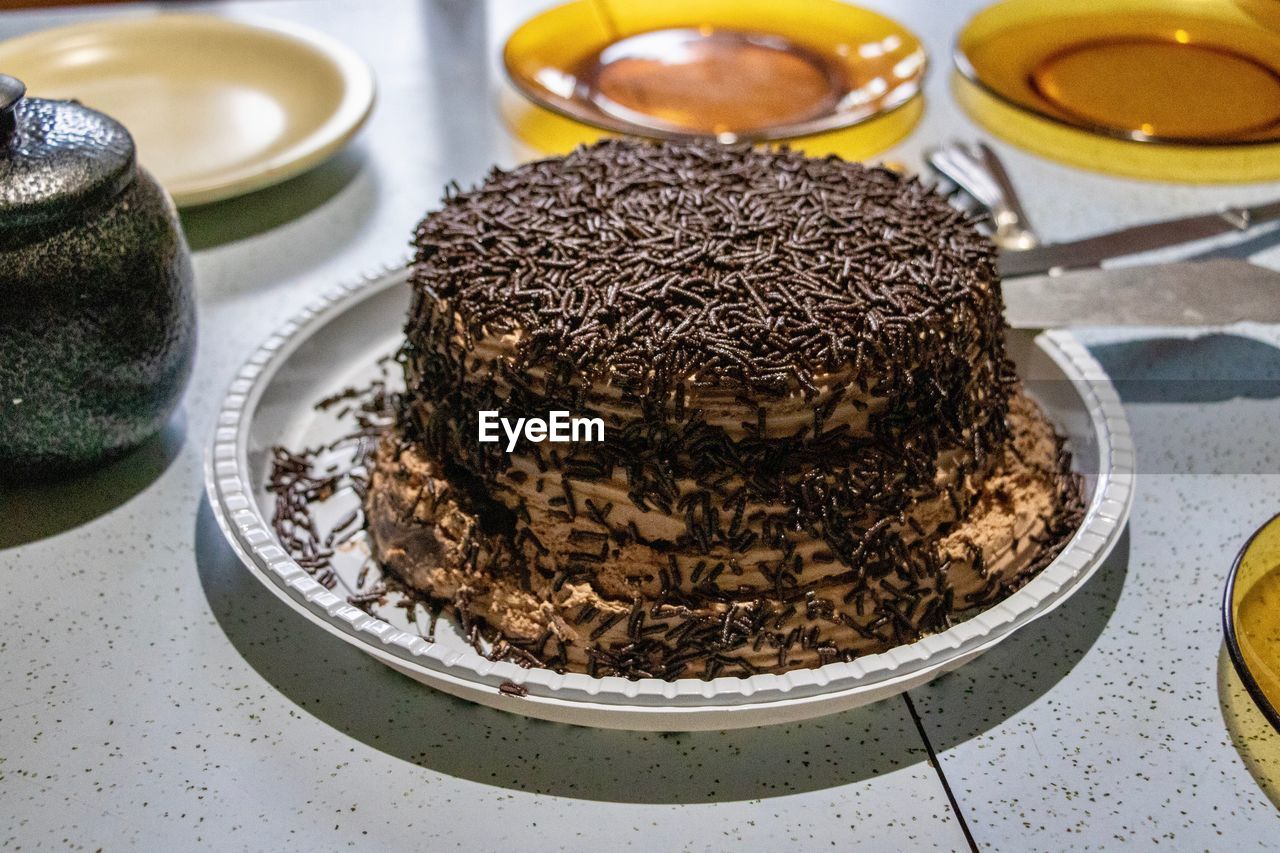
point(156, 697)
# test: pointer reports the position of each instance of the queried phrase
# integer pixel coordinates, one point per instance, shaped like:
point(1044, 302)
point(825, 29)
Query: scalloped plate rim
point(654, 704)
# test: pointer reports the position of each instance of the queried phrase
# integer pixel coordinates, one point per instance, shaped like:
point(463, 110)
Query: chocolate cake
point(815, 446)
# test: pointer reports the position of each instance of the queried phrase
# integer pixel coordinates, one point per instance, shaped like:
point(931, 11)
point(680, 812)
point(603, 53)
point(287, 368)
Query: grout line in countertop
point(937, 766)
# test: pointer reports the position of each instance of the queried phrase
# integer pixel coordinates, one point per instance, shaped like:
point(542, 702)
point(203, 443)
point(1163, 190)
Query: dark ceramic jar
point(97, 313)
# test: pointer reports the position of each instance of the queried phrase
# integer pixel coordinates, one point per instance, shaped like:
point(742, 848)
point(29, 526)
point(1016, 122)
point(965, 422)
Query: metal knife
point(1187, 293)
point(1130, 241)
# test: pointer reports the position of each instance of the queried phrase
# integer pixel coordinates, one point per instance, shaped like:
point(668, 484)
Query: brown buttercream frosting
point(815, 446)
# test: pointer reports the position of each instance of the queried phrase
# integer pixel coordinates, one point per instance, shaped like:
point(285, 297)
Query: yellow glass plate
point(880, 63)
point(1251, 618)
point(549, 132)
point(1265, 12)
point(217, 108)
point(1029, 71)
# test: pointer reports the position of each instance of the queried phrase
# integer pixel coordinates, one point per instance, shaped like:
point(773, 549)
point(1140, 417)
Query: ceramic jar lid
point(57, 157)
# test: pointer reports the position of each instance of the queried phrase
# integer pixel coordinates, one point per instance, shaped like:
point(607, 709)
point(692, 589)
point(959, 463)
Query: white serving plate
point(271, 402)
point(219, 107)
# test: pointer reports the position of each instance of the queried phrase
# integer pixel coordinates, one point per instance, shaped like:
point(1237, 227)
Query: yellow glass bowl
point(998, 51)
point(1252, 586)
point(882, 63)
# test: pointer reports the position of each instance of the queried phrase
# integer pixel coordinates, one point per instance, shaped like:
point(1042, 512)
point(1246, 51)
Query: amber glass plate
point(1183, 90)
point(1251, 618)
point(819, 73)
point(1265, 12)
point(549, 132)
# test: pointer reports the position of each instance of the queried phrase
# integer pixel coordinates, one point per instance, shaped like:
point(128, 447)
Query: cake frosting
point(815, 446)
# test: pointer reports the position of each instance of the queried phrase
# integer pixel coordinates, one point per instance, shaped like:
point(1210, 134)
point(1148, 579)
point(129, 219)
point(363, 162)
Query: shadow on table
point(1252, 736)
point(241, 217)
point(1265, 239)
point(1203, 369)
point(1168, 385)
point(310, 232)
point(30, 512)
point(375, 705)
point(1018, 672)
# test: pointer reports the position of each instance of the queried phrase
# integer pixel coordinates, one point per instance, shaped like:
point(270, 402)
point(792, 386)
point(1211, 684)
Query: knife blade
point(1091, 251)
point(1186, 293)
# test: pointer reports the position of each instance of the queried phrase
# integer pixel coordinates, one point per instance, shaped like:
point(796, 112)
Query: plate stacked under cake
point(815, 447)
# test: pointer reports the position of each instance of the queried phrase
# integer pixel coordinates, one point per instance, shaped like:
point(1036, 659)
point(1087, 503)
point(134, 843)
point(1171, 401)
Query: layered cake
point(814, 446)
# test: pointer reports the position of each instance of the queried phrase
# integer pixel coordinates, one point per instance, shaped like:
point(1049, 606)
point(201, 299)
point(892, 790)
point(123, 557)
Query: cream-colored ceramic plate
point(217, 107)
point(336, 342)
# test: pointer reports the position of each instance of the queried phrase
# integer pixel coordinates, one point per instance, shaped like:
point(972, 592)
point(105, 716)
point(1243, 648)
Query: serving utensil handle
point(978, 171)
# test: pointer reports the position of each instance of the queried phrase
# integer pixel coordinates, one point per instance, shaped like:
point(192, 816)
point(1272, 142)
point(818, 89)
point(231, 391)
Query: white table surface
point(155, 697)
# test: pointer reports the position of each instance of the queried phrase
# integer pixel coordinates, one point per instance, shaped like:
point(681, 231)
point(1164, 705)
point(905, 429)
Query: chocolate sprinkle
point(636, 282)
point(654, 264)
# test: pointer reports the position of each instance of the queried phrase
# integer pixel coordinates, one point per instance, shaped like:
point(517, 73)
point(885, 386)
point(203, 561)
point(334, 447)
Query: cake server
point(1091, 251)
point(1186, 293)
